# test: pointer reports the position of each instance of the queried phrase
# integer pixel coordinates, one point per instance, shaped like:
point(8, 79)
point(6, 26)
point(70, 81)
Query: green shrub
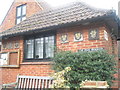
point(95, 65)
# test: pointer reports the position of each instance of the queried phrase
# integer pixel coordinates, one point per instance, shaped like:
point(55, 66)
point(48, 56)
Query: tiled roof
point(44, 19)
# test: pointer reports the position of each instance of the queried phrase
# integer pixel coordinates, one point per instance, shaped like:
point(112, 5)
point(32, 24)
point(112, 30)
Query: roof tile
point(75, 12)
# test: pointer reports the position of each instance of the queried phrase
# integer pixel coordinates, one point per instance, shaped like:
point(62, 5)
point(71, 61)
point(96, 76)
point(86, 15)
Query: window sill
point(37, 63)
point(9, 66)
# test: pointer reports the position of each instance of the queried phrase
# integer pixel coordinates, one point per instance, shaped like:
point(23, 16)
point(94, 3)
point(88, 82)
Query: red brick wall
point(86, 43)
point(9, 21)
point(9, 74)
point(43, 68)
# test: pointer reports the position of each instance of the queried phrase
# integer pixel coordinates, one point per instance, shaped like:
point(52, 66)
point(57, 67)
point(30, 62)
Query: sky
point(104, 4)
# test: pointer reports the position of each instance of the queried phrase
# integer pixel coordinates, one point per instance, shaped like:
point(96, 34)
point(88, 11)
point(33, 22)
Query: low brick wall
point(94, 84)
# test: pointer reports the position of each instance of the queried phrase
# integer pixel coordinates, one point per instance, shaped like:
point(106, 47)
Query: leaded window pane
point(39, 48)
point(18, 11)
point(24, 10)
point(49, 46)
point(18, 20)
point(29, 48)
point(23, 18)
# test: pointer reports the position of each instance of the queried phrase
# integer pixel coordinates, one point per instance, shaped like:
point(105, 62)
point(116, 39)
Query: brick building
point(28, 45)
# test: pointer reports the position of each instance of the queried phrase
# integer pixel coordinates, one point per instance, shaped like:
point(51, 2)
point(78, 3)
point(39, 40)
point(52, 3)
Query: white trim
point(39, 4)
point(36, 77)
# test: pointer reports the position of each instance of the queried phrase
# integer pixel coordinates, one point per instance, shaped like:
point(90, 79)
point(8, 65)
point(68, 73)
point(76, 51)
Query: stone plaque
point(105, 35)
point(64, 38)
point(78, 36)
point(91, 49)
point(10, 45)
point(16, 45)
point(4, 46)
point(93, 34)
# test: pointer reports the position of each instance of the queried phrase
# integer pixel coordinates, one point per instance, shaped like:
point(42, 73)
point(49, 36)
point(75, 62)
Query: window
point(20, 13)
point(39, 48)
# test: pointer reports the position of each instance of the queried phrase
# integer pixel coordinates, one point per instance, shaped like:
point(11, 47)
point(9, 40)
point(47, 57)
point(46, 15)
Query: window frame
point(21, 16)
point(35, 37)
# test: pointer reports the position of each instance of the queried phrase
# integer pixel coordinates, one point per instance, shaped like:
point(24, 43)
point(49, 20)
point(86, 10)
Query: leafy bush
point(95, 65)
point(59, 80)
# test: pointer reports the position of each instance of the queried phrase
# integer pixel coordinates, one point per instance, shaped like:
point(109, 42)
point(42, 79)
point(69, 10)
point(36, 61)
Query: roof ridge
point(43, 4)
point(72, 4)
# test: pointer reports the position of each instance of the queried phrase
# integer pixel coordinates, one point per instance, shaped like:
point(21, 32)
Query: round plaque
point(78, 37)
point(64, 38)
